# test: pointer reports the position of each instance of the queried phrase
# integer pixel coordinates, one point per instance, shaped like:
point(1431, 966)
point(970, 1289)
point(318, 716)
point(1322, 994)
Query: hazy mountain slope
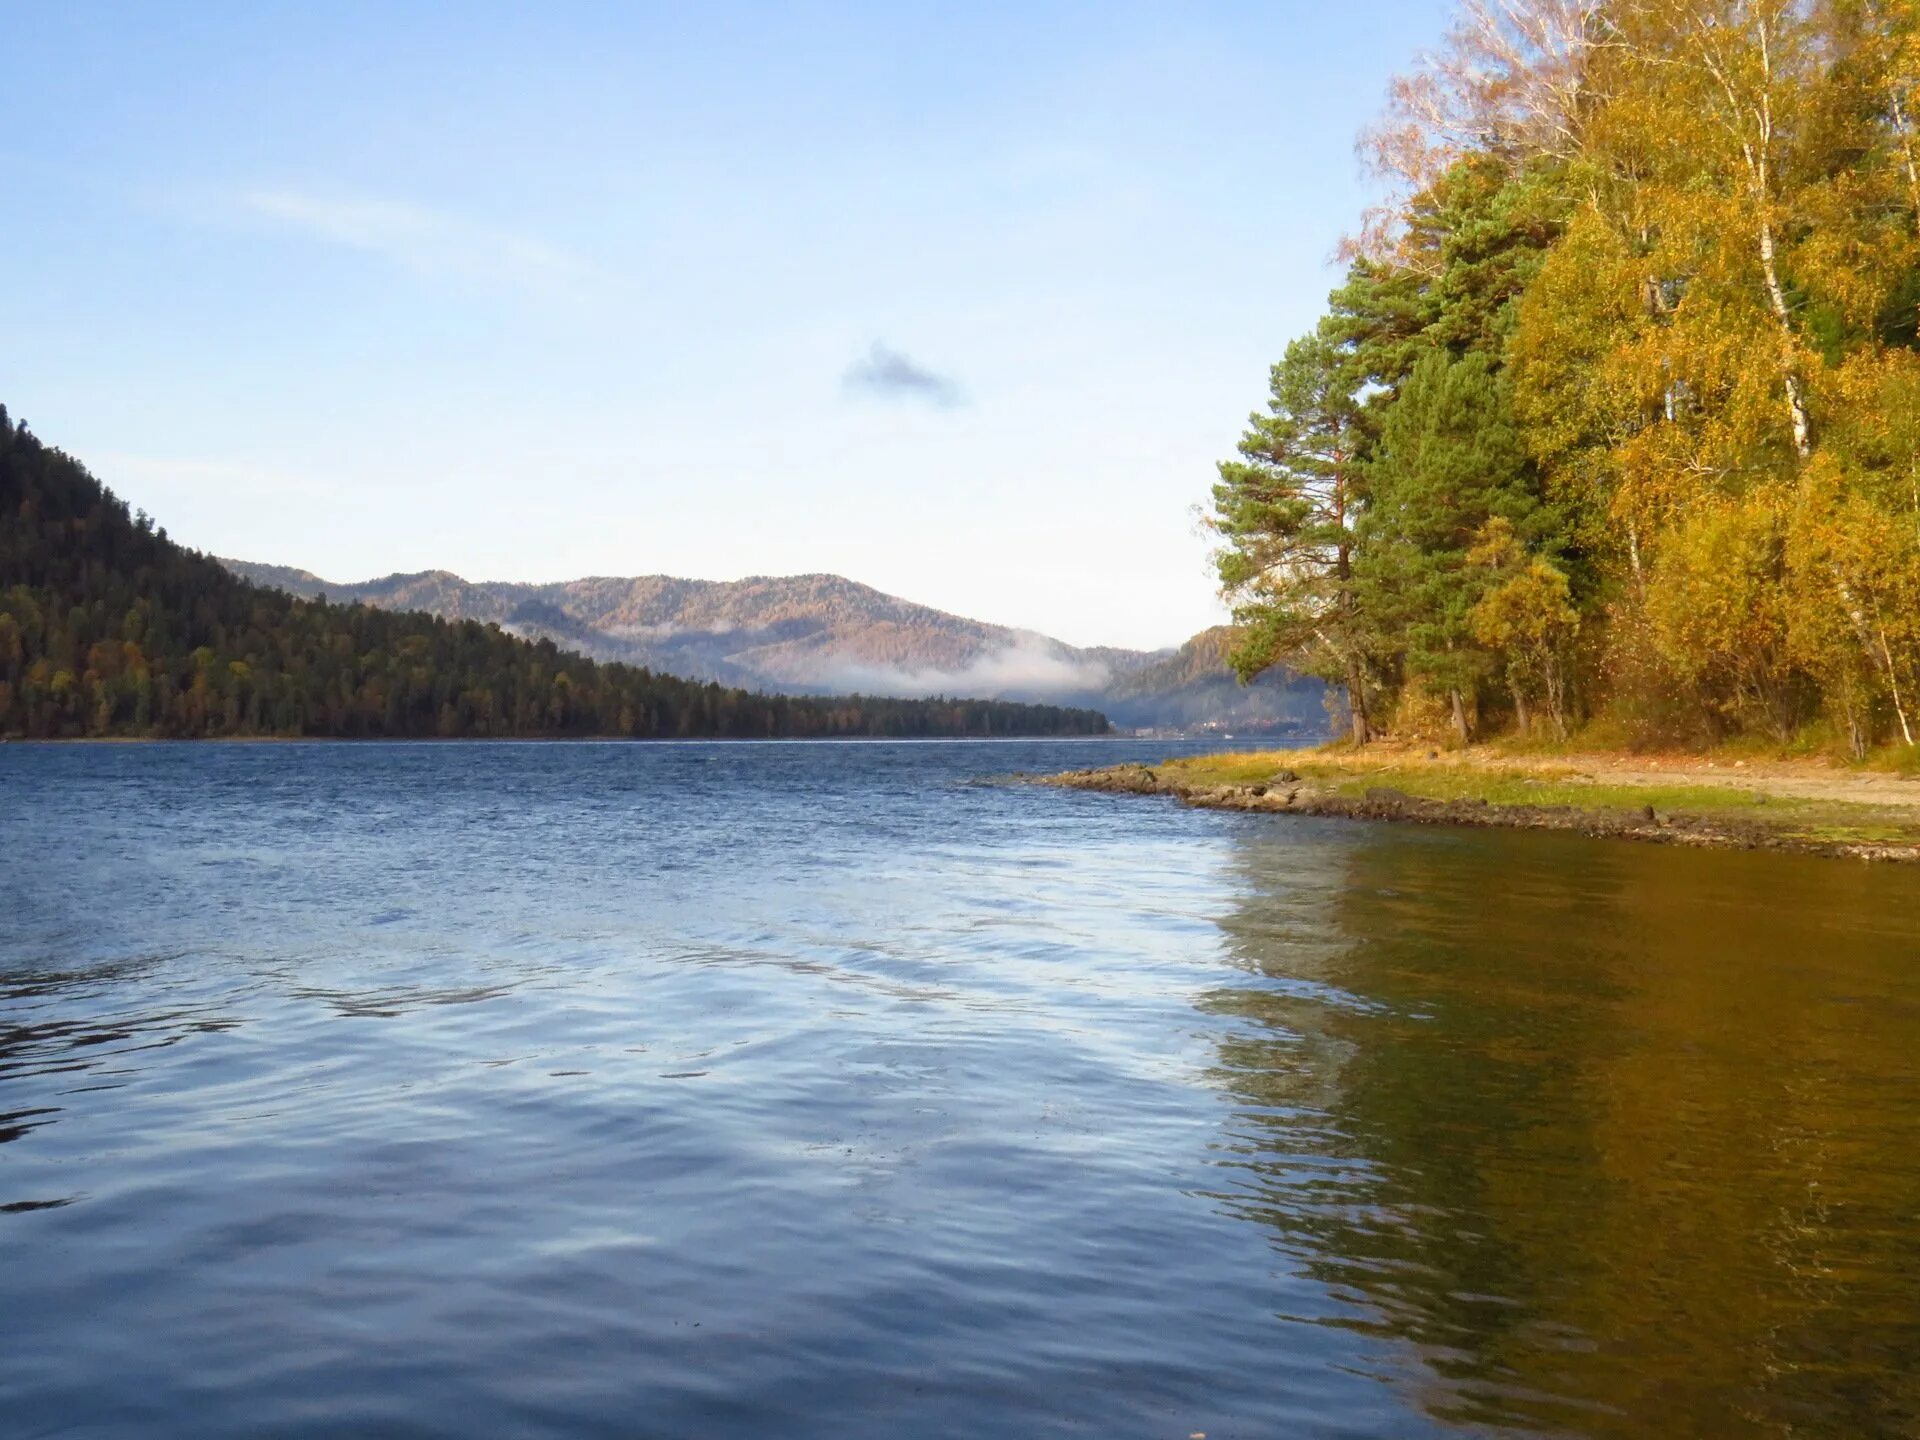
point(303, 583)
point(790, 631)
point(1194, 686)
point(817, 633)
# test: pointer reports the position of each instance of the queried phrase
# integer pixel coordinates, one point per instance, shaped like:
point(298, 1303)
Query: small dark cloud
point(886, 373)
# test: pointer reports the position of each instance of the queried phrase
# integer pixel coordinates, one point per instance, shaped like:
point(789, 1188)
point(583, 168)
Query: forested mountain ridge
point(109, 628)
point(1615, 418)
point(821, 632)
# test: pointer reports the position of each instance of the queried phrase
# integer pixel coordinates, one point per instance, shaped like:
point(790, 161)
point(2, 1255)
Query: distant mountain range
point(819, 634)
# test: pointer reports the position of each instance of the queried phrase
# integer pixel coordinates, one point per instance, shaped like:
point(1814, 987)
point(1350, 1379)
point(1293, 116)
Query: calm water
point(821, 1090)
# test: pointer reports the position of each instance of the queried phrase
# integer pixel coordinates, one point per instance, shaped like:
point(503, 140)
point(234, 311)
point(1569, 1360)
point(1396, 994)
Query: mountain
point(797, 632)
point(814, 633)
point(109, 628)
point(1193, 687)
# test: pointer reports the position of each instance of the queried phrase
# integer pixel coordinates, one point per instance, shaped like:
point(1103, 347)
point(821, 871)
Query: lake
point(845, 1090)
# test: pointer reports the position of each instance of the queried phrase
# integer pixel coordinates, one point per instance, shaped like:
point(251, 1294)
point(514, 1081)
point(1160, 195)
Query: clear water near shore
point(840, 1090)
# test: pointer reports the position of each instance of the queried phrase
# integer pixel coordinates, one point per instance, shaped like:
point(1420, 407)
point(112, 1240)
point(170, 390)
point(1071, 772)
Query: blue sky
point(961, 301)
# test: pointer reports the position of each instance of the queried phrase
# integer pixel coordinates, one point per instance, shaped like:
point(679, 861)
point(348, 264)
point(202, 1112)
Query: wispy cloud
point(886, 373)
point(426, 241)
point(1029, 667)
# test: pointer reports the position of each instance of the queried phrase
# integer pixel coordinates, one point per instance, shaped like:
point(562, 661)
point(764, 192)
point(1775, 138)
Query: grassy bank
point(1803, 806)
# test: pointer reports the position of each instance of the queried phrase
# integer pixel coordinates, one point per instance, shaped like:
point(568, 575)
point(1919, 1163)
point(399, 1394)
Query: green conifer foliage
point(1451, 460)
point(1285, 510)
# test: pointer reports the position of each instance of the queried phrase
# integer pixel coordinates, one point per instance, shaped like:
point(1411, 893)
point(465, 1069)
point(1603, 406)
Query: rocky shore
point(1286, 791)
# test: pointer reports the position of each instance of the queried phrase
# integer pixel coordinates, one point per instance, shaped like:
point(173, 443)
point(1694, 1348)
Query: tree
point(1853, 570)
point(1719, 612)
point(1292, 508)
point(1526, 618)
point(1286, 511)
point(1451, 460)
point(1511, 84)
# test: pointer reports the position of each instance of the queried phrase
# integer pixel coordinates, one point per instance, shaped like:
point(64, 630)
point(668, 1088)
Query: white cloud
point(425, 241)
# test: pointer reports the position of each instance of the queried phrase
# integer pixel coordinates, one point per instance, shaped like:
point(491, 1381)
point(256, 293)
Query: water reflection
point(1623, 1141)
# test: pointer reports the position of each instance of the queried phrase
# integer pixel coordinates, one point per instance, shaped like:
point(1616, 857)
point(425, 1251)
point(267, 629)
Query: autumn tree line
point(109, 628)
point(1615, 418)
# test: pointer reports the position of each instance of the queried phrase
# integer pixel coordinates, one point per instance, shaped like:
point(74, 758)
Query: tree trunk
point(1903, 127)
point(1357, 704)
point(1556, 698)
point(1520, 714)
point(1356, 678)
point(1870, 636)
point(1790, 372)
point(1755, 109)
point(1460, 716)
point(1893, 684)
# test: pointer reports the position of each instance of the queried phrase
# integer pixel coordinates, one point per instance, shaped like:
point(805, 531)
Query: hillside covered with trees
point(821, 634)
point(1615, 418)
point(108, 628)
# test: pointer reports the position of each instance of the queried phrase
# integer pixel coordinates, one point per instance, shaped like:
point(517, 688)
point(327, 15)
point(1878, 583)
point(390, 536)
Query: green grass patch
point(1895, 760)
point(1255, 768)
point(1506, 788)
point(1547, 785)
point(1559, 786)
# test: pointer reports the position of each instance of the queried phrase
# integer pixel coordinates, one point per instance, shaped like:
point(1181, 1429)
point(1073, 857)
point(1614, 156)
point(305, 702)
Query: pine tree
point(1451, 460)
point(1286, 510)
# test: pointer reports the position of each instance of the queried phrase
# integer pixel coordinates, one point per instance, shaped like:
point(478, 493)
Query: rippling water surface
point(838, 1090)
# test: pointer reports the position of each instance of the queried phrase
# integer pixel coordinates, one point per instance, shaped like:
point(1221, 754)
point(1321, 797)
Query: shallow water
point(836, 1090)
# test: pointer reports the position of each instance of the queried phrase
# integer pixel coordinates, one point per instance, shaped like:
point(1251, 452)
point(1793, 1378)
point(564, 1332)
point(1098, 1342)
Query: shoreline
point(1792, 808)
point(6, 740)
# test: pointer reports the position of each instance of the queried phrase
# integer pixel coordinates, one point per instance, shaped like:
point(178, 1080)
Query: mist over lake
point(848, 1090)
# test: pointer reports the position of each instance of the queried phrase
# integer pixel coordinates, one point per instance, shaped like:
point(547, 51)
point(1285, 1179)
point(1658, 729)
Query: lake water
point(841, 1091)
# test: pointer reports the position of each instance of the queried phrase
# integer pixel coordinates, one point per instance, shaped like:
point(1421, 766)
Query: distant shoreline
point(1795, 807)
point(1114, 739)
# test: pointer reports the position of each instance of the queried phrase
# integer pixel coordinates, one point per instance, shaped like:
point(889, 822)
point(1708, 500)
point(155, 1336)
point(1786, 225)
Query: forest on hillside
point(1614, 420)
point(109, 628)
